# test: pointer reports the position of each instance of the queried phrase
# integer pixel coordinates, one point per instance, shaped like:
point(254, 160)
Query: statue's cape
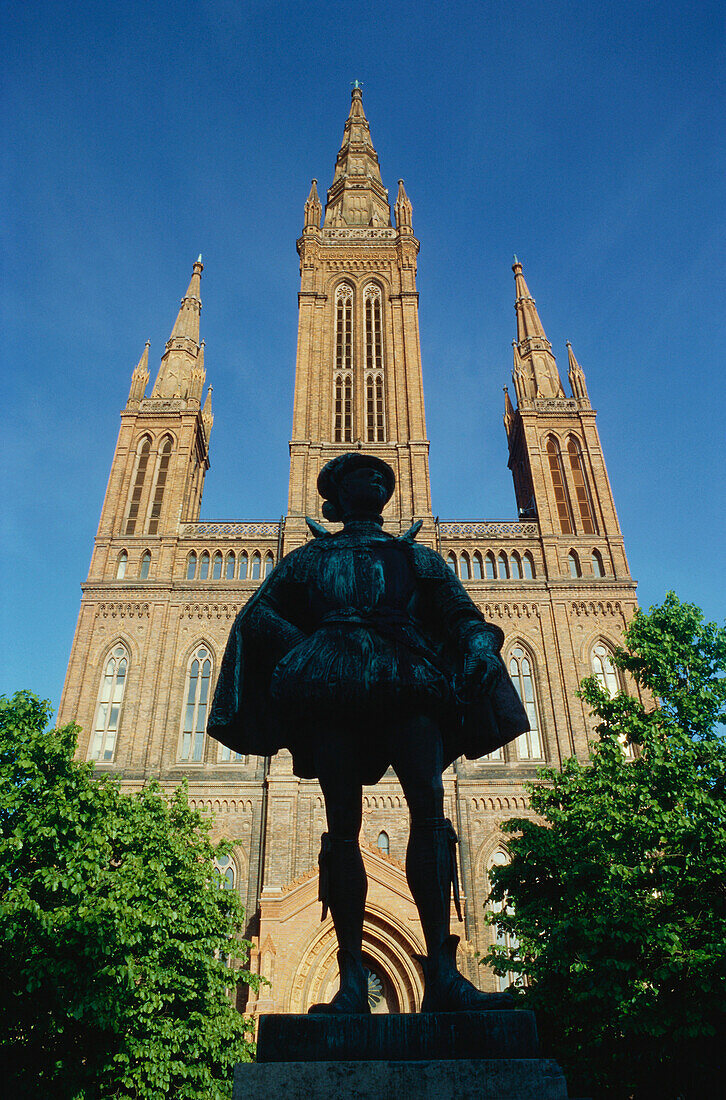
point(244, 717)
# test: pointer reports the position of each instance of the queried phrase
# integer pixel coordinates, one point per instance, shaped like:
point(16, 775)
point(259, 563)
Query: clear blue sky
point(588, 138)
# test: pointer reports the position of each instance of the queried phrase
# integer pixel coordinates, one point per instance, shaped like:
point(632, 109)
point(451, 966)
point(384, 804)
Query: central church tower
point(358, 377)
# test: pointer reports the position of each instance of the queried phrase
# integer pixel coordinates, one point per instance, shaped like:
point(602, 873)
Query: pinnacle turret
point(357, 196)
point(140, 376)
point(313, 208)
point(182, 348)
point(576, 375)
point(403, 208)
point(207, 417)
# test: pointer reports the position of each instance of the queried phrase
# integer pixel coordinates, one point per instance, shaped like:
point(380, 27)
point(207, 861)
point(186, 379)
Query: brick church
point(164, 587)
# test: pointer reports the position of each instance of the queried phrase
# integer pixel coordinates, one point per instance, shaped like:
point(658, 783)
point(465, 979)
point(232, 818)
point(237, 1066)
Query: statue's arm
point(273, 618)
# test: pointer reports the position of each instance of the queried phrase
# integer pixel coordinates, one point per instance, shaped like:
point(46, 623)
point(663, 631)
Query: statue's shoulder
point(427, 563)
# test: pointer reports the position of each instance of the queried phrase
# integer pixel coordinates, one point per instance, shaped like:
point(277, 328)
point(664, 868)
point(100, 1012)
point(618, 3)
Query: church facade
point(164, 587)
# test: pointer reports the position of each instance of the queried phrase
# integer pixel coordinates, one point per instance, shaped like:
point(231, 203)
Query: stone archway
point(389, 951)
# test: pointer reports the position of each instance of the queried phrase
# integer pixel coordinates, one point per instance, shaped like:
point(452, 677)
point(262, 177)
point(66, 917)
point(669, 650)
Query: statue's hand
point(482, 666)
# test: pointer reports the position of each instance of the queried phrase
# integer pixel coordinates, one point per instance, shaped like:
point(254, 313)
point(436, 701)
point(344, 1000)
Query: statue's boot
point(446, 990)
point(431, 871)
point(352, 997)
point(343, 890)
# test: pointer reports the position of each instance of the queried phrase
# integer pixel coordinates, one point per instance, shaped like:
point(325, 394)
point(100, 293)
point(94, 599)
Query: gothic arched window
point(145, 565)
point(142, 462)
point(217, 566)
point(478, 573)
point(529, 745)
point(464, 571)
point(573, 564)
point(562, 500)
point(515, 563)
point(225, 869)
point(243, 565)
point(159, 485)
point(226, 756)
point(229, 566)
point(502, 938)
point(343, 369)
point(196, 702)
point(375, 411)
point(204, 566)
point(269, 563)
point(528, 564)
point(503, 565)
point(451, 561)
point(121, 562)
point(604, 670)
point(108, 709)
point(491, 569)
point(582, 489)
point(256, 565)
point(598, 568)
point(383, 843)
point(191, 565)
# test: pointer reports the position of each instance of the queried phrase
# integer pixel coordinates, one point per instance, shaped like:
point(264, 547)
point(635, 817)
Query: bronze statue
point(359, 652)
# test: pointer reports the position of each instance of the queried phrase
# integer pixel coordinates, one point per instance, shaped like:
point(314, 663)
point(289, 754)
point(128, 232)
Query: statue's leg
point(431, 870)
point(343, 883)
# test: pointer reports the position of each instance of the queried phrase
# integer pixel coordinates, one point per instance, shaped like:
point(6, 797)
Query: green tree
point(115, 932)
point(617, 894)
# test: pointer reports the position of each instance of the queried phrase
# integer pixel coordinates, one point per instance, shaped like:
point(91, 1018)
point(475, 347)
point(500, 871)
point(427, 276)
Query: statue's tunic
point(349, 632)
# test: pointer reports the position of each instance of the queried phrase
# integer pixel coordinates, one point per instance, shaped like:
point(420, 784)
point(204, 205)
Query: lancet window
point(121, 562)
point(196, 702)
point(142, 462)
point(108, 710)
point(343, 370)
point(375, 402)
point(145, 565)
point(160, 485)
point(229, 565)
point(562, 500)
point(503, 938)
point(529, 745)
point(582, 489)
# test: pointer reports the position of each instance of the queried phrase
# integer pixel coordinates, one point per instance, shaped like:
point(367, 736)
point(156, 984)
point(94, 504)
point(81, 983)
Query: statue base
point(430, 1056)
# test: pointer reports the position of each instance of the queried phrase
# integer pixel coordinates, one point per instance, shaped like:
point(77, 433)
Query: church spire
point(182, 347)
point(533, 353)
point(357, 196)
point(140, 377)
point(508, 411)
point(576, 376)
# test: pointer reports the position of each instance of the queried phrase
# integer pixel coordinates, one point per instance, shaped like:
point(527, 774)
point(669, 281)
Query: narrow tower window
point(243, 565)
point(582, 489)
point(529, 745)
point(451, 562)
point(224, 867)
point(491, 570)
point(528, 563)
point(196, 698)
point(269, 563)
point(573, 563)
point(478, 573)
point(598, 569)
point(217, 566)
point(191, 565)
point(108, 711)
point(161, 475)
point(562, 500)
point(383, 843)
point(604, 669)
point(343, 369)
point(121, 563)
point(142, 462)
point(375, 415)
point(464, 571)
point(204, 566)
point(503, 566)
point(516, 565)
point(145, 565)
point(256, 565)
point(229, 566)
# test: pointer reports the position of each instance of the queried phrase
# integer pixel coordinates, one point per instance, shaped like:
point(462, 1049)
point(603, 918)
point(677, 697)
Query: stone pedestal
point(432, 1056)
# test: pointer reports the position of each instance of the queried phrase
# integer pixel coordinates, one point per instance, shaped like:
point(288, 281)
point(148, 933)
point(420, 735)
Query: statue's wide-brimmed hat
point(333, 472)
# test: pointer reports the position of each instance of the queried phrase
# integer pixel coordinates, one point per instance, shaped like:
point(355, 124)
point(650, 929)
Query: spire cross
point(355, 84)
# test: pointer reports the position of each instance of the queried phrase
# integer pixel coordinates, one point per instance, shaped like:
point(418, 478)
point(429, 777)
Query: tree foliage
point(114, 931)
point(617, 894)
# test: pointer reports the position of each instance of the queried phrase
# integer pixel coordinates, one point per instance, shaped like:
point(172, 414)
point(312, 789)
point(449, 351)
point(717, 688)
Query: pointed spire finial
point(403, 209)
point(576, 375)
